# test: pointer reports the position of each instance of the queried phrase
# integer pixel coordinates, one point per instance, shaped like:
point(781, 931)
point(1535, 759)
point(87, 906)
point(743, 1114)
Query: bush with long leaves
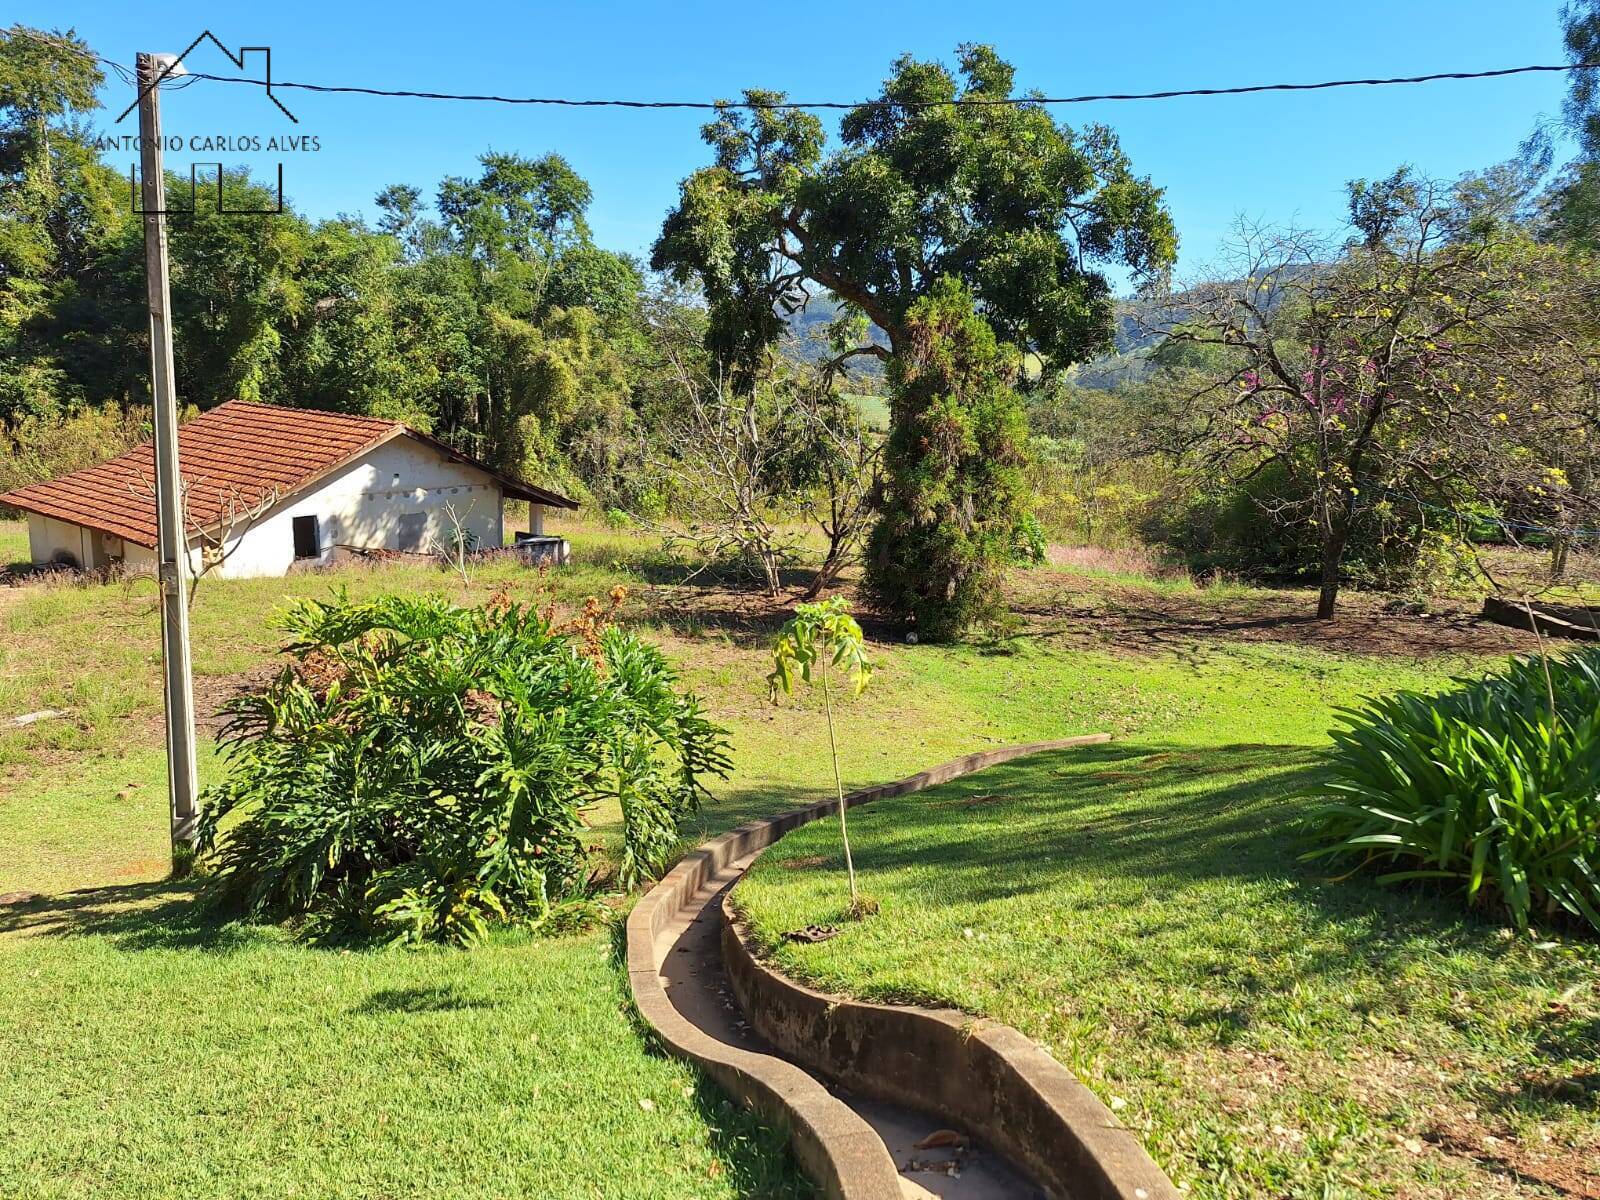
point(418, 770)
point(1493, 785)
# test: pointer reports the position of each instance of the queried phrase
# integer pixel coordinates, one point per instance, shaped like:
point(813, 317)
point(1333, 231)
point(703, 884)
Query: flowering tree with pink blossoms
point(1364, 370)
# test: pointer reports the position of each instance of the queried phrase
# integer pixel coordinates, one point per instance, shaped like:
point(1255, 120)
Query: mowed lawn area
point(1139, 909)
point(1136, 907)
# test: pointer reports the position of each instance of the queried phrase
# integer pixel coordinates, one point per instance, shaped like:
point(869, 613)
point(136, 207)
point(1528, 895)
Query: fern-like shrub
point(1492, 786)
point(418, 770)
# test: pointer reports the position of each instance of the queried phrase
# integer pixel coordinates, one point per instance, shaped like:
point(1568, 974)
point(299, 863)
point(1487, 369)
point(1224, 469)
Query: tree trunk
point(1559, 553)
point(769, 568)
point(827, 572)
point(1561, 549)
point(1332, 560)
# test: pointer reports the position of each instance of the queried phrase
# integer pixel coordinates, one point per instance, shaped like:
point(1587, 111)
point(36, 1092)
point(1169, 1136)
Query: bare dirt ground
point(1129, 615)
point(211, 692)
point(1142, 619)
point(1125, 600)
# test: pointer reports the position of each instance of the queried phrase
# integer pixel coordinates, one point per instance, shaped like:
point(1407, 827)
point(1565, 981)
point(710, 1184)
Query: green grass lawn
point(874, 409)
point(151, 1055)
point(13, 543)
point(150, 1052)
point(1139, 909)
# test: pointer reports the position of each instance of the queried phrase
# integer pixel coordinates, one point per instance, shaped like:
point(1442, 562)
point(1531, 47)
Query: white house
point(271, 487)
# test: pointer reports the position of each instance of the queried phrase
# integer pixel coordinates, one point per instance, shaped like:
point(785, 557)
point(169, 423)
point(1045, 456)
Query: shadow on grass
point(163, 915)
point(691, 600)
point(420, 999)
point(1145, 620)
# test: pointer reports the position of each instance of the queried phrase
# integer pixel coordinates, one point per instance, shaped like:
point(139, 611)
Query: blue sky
point(1279, 157)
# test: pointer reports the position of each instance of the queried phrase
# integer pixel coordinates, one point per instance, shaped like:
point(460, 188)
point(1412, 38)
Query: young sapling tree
point(821, 639)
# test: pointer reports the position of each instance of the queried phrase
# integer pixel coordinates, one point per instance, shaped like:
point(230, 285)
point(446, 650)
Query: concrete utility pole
point(172, 540)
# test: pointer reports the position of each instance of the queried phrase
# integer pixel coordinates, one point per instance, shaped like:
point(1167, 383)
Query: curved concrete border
point(1075, 1137)
point(835, 1146)
point(971, 1072)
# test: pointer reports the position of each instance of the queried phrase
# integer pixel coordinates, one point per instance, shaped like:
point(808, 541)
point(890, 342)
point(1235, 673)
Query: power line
point(785, 105)
point(908, 105)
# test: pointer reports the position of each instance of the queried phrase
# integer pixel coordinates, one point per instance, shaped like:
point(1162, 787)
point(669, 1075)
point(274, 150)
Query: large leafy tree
point(58, 207)
point(1572, 204)
point(945, 174)
point(548, 312)
point(236, 282)
point(47, 84)
point(970, 228)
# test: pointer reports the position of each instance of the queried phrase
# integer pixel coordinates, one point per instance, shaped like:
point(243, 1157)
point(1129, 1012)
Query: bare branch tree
point(1351, 368)
point(219, 528)
point(725, 456)
point(460, 542)
point(848, 459)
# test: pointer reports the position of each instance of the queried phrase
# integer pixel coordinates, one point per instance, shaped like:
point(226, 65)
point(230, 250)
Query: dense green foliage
point(931, 215)
point(1493, 786)
point(953, 497)
point(489, 317)
point(420, 769)
point(1225, 526)
point(1021, 209)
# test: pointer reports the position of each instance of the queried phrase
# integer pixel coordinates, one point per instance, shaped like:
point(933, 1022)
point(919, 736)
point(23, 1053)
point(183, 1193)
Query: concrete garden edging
point(836, 1148)
point(1028, 1105)
point(971, 1072)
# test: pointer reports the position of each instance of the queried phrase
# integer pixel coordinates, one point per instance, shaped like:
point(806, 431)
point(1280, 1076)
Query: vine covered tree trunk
point(953, 490)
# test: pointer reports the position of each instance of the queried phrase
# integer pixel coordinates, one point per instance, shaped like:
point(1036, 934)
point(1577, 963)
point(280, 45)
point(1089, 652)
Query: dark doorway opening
point(307, 538)
point(413, 528)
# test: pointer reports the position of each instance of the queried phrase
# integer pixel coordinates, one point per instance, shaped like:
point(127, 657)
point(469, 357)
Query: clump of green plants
point(419, 770)
point(1492, 786)
point(1029, 543)
point(821, 639)
point(954, 493)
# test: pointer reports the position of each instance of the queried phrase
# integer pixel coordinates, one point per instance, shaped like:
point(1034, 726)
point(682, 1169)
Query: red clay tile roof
point(238, 453)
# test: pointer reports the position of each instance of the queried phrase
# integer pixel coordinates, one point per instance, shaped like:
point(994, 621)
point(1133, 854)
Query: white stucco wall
point(50, 540)
point(360, 505)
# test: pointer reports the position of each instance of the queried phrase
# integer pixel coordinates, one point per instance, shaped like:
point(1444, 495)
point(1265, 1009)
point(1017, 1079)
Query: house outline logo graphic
point(194, 183)
point(236, 59)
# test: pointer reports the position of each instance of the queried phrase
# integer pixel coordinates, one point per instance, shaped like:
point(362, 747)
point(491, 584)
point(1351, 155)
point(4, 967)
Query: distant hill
point(808, 342)
point(1129, 362)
